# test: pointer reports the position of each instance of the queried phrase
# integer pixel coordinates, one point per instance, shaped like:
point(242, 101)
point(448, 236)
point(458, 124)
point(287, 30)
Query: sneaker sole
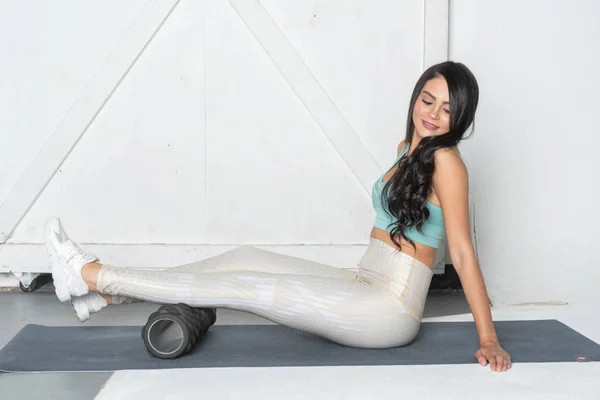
point(58, 273)
point(81, 310)
point(60, 270)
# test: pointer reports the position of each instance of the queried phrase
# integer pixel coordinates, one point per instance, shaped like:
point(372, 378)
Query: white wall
point(208, 141)
point(534, 158)
point(179, 129)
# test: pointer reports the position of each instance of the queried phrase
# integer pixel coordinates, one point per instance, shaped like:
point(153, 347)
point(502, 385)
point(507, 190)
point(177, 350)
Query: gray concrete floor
point(18, 309)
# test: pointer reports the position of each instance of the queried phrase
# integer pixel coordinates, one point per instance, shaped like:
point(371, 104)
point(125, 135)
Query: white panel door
point(166, 131)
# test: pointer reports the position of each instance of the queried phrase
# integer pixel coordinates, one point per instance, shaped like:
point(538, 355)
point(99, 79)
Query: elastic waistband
point(379, 245)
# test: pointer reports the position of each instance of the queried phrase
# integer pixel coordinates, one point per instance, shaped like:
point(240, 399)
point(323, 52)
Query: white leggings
point(379, 306)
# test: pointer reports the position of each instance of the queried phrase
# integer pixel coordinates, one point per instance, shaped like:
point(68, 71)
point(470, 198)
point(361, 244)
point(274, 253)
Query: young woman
point(423, 195)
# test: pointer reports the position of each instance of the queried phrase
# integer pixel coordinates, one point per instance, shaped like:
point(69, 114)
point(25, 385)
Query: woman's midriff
point(420, 252)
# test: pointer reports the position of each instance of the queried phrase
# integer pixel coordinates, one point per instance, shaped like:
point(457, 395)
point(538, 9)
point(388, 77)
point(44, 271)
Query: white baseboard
point(8, 281)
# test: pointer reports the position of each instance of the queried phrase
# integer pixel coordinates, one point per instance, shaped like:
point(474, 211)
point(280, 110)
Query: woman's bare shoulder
point(450, 160)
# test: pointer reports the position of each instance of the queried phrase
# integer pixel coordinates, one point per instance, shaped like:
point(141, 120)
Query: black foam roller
point(174, 329)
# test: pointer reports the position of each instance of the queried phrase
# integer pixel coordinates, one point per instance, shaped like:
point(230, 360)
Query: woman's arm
point(451, 185)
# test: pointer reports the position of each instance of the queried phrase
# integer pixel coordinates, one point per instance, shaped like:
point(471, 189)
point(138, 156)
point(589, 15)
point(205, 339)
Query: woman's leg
point(249, 258)
point(243, 258)
point(349, 312)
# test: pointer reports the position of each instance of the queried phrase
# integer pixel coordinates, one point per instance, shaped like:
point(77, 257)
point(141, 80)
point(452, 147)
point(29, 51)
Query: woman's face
point(431, 113)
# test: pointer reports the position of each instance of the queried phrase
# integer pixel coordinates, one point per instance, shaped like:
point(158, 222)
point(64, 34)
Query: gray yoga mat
point(39, 348)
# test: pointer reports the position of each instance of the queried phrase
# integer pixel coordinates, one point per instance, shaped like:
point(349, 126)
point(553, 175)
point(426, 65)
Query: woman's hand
point(498, 358)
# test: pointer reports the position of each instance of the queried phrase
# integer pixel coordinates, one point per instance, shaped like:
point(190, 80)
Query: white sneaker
point(87, 305)
point(67, 259)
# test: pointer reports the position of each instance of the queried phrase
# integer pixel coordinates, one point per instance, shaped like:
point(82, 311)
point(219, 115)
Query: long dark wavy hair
point(406, 192)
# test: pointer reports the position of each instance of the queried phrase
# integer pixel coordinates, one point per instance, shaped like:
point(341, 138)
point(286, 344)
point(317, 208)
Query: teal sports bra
point(432, 230)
